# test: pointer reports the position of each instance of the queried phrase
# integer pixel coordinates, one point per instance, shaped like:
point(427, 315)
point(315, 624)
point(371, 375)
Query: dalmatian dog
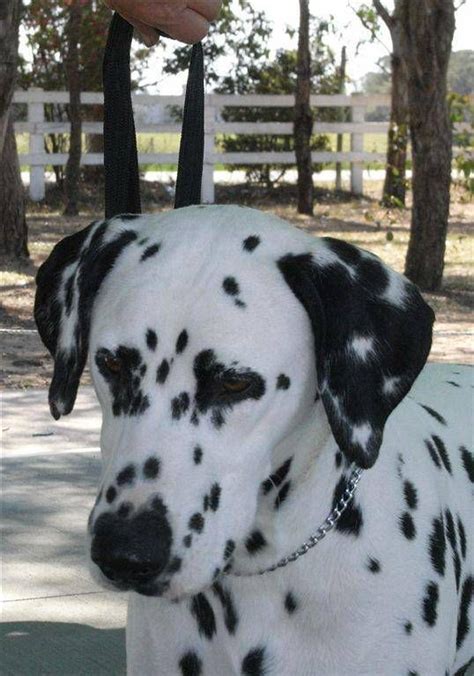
point(249, 375)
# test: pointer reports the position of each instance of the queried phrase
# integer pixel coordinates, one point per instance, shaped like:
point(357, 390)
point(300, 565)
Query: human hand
point(184, 20)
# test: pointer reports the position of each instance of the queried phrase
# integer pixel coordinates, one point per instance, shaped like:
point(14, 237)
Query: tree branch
point(383, 13)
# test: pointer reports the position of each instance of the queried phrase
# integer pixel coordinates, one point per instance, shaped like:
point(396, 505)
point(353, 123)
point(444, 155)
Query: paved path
point(55, 619)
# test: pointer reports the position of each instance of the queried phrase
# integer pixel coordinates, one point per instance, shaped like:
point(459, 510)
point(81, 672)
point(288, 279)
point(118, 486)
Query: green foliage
point(462, 111)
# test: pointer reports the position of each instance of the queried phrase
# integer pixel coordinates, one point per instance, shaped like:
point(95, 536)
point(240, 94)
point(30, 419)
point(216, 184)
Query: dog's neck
point(297, 496)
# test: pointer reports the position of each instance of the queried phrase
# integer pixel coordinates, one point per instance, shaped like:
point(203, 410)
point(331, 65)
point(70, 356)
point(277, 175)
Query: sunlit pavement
point(55, 619)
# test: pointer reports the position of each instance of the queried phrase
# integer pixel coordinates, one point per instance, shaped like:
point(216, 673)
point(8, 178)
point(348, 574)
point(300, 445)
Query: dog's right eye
point(113, 364)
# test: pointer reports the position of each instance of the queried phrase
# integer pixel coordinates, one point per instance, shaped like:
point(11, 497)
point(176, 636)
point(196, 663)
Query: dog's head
point(213, 333)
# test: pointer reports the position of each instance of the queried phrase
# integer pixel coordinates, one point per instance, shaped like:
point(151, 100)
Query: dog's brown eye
point(113, 364)
point(236, 386)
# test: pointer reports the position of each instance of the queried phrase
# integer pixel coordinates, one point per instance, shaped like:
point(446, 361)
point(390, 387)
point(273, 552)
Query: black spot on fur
point(430, 604)
point(255, 542)
point(151, 339)
point(253, 663)
point(149, 252)
point(196, 522)
point(275, 479)
point(187, 540)
point(437, 416)
point(408, 626)
point(197, 455)
point(338, 459)
point(373, 565)
point(451, 382)
point(438, 546)
point(190, 664)
point(127, 396)
point(467, 596)
point(231, 286)
point(214, 497)
point(282, 494)
point(407, 526)
point(251, 243)
point(143, 241)
point(291, 603)
point(124, 510)
point(182, 341)
point(441, 448)
point(126, 476)
point(410, 493)
point(179, 405)
point(175, 565)
point(351, 520)
point(151, 467)
point(202, 611)
point(111, 494)
point(231, 619)
point(462, 537)
point(283, 382)
point(239, 303)
point(413, 673)
point(468, 462)
point(162, 371)
point(229, 549)
point(452, 538)
point(434, 455)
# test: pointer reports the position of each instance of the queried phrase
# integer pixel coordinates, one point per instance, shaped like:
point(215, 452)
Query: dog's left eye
point(236, 386)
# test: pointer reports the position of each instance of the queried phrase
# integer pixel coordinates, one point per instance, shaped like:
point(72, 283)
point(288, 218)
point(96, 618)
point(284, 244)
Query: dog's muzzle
point(133, 552)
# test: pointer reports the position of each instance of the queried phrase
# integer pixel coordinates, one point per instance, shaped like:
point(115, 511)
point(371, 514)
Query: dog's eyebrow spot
point(255, 542)
point(231, 286)
point(214, 497)
point(251, 243)
point(149, 252)
point(162, 371)
point(187, 540)
point(291, 604)
point(190, 664)
point(151, 339)
point(151, 467)
point(179, 405)
point(126, 476)
point(197, 455)
point(111, 494)
point(196, 522)
point(283, 382)
point(182, 341)
point(229, 549)
point(373, 565)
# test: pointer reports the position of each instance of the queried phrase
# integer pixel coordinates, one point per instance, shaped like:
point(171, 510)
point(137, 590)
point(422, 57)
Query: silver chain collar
point(322, 531)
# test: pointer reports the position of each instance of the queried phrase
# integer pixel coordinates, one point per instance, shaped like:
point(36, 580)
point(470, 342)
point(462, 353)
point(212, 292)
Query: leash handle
point(122, 186)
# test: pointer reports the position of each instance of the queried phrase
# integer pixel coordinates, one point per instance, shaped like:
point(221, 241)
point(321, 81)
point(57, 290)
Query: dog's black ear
point(372, 335)
point(67, 283)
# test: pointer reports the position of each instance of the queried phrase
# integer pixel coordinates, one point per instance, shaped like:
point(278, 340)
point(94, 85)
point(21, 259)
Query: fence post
point(207, 190)
point(357, 146)
point(36, 115)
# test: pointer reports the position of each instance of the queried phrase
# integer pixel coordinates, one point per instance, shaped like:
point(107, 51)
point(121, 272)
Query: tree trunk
point(13, 230)
point(394, 189)
point(303, 124)
point(342, 116)
point(73, 166)
point(427, 35)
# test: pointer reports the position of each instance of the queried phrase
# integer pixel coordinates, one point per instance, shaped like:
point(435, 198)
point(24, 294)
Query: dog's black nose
point(133, 552)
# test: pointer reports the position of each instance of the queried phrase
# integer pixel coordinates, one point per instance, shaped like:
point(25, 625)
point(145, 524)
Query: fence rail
point(36, 126)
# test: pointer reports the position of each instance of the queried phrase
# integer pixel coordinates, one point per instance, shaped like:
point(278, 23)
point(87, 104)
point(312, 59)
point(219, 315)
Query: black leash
point(122, 187)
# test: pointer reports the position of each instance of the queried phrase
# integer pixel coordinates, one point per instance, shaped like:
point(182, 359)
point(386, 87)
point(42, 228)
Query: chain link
point(322, 531)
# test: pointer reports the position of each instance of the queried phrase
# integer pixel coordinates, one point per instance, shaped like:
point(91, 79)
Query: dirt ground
point(26, 364)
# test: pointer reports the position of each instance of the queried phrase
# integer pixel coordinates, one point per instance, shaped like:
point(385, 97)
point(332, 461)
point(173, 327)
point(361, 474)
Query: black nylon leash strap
point(122, 187)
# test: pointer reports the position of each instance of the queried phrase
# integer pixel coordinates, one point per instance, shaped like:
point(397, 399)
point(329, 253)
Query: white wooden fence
point(36, 126)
